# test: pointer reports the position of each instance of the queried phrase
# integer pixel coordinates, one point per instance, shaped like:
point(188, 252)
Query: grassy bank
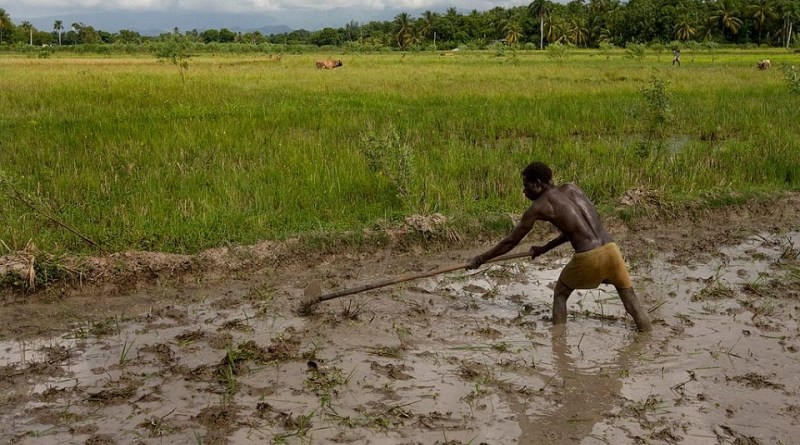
point(258, 147)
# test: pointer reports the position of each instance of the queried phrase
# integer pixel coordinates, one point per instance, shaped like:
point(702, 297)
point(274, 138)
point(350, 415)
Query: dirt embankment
point(31, 272)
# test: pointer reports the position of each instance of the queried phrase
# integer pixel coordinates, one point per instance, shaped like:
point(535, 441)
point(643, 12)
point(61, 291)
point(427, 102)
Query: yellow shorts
point(588, 269)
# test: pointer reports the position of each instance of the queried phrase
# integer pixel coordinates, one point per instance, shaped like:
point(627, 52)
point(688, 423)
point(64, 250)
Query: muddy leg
point(632, 306)
point(560, 297)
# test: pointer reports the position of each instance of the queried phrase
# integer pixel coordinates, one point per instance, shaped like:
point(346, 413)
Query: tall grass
point(258, 147)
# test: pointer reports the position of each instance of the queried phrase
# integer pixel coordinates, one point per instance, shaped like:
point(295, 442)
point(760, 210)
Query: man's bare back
point(571, 212)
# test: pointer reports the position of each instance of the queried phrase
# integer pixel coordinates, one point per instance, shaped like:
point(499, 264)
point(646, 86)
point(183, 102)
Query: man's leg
point(560, 296)
point(632, 306)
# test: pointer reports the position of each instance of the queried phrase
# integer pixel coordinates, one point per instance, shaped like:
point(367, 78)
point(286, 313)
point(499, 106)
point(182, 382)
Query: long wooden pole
point(402, 278)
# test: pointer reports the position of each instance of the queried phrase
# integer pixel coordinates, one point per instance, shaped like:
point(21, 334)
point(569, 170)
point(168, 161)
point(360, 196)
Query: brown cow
point(328, 64)
point(764, 64)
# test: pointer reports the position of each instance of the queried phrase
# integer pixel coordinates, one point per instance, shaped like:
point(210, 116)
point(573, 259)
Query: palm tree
point(577, 32)
point(708, 27)
point(513, 32)
point(726, 16)
point(428, 21)
point(684, 30)
point(761, 11)
point(498, 18)
point(789, 12)
point(555, 30)
point(58, 26)
point(5, 23)
point(404, 34)
point(27, 26)
point(541, 9)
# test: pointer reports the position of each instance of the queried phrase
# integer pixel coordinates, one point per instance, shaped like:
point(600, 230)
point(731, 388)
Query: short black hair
point(537, 171)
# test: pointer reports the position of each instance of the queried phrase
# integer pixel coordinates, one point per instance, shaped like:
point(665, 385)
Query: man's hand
point(475, 263)
point(536, 251)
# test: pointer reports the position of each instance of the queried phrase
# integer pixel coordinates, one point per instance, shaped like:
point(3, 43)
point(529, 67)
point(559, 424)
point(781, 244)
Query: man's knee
point(562, 291)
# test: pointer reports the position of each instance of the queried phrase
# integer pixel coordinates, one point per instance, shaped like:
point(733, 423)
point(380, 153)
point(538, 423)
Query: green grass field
point(257, 147)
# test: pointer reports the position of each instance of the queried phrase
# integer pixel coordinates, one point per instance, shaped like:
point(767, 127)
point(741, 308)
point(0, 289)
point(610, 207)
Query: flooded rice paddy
point(468, 357)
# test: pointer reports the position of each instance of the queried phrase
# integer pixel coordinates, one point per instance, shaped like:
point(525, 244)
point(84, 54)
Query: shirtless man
point(597, 258)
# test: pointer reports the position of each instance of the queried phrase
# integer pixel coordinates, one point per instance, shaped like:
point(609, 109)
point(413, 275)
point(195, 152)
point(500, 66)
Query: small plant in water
point(298, 427)
point(716, 290)
point(123, 353)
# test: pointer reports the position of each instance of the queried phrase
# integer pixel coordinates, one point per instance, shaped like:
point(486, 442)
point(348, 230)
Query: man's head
point(536, 178)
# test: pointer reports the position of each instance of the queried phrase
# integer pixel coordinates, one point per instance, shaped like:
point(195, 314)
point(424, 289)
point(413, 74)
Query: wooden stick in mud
point(312, 291)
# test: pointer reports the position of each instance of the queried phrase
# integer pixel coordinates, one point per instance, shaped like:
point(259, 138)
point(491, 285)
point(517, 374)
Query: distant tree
point(761, 11)
point(449, 24)
point(709, 27)
point(684, 30)
point(513, 32)
point(326, 36)
point(428, 25)
point(789, 13)
point(404, 30)
point(351, 31)
point(176, 50)
point(5, 23)
point(555, 29)
point(540, 9)
point(27, 26)
point(254, 38)
point(497, 26)
point(128, 36)
point(85, 33)
point(209, 35)
point(58, 26)
point(725, 14)
point(226, 35)
point(595, 16)
point(577, 32)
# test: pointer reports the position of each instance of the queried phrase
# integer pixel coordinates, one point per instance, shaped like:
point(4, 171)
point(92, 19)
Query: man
point(597, 258)
point(677, 57)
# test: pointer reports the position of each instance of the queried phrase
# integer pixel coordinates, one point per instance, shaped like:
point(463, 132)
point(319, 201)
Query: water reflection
point(581, 391)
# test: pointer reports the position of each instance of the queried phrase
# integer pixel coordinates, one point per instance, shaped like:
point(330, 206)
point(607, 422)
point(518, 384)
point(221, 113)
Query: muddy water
point(463, 358)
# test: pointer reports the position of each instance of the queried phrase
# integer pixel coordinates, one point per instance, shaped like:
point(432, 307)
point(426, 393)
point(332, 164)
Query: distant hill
point(153, 23)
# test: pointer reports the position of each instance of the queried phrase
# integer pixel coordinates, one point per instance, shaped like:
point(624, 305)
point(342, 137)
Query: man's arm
point(520, 231)
point(541, 250)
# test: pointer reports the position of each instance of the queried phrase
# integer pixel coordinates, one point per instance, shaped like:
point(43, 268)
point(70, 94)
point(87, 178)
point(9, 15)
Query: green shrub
point(557, 51)
point(635, 51)
point(792, 77)
point(388, 156)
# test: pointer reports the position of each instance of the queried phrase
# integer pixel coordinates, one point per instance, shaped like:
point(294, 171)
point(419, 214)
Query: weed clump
point(792, 77)
point(655, 116)
point(390, 157)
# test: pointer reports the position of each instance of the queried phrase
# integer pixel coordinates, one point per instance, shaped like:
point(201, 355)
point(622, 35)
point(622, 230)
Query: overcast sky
point(38, 8)
point(307, 14)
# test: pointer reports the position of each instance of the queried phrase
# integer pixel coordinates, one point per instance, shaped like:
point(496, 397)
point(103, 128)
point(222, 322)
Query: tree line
point(593, 23)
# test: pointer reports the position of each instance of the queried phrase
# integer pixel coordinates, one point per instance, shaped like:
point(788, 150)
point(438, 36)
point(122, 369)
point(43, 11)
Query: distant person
point(677, 58)
point(597, 258)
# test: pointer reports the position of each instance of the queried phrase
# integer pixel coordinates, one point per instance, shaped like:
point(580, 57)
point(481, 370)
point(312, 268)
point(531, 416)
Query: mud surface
point(466, 357)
